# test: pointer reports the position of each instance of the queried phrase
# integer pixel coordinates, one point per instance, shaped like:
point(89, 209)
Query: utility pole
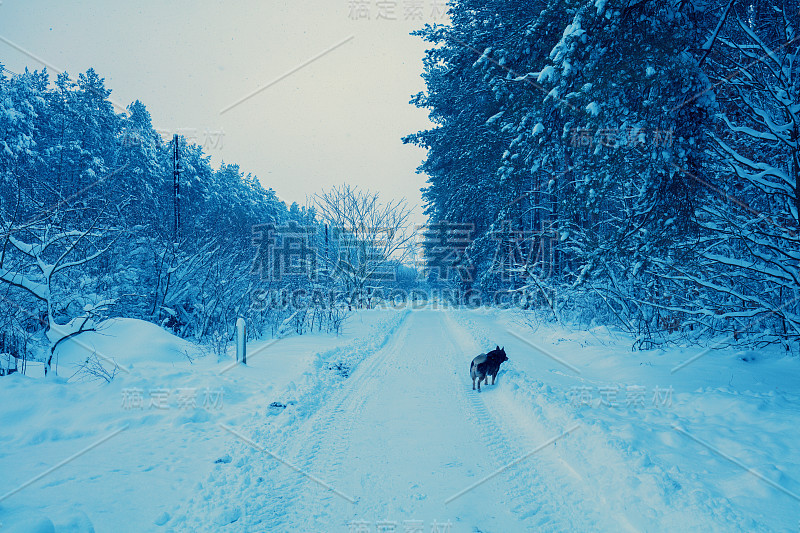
point(176, 179)
point(327, 256)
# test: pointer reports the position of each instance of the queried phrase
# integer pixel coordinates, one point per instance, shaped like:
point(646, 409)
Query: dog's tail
point(471, 366)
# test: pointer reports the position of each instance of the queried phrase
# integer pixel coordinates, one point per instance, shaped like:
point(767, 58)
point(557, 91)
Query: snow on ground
point(160, 416)
point(663, 443)
point(379, 428)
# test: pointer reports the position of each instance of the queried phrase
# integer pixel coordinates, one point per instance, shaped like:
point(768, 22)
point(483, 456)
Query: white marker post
point(241, 340)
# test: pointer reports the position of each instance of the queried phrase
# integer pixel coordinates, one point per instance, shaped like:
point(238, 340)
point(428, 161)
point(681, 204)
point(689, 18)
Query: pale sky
point(338, 118)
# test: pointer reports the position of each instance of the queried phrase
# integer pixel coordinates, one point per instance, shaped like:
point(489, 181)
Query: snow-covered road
point(403, 434)
point(379, 430)
point(404, 438)
point(405, 443)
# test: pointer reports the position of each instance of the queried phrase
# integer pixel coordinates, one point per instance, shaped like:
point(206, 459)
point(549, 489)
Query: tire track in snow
point(544, 499)
point(323, 443)
point(329, 431)
point(601, 470)
point(297, 500)
point(399, 423)
point(250, 491)
point(400, 435)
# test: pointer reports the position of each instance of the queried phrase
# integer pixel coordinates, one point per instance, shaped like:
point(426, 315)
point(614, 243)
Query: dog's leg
point(494, 376)
point(473, 383)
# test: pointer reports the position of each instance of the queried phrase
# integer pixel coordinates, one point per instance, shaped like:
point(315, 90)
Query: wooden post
point(241, 340)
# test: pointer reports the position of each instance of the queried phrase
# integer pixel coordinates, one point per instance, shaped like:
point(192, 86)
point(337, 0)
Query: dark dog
point(485, 365)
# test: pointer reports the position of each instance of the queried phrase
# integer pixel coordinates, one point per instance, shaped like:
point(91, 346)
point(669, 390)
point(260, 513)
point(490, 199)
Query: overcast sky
point(338, 118)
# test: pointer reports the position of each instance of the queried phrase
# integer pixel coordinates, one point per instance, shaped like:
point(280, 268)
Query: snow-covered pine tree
point(635, 103)
point(481, 102)
point(589, 142)
point(747, 279)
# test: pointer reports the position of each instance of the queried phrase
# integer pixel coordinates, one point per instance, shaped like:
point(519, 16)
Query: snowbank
point(135, 448)
point(124, 342)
